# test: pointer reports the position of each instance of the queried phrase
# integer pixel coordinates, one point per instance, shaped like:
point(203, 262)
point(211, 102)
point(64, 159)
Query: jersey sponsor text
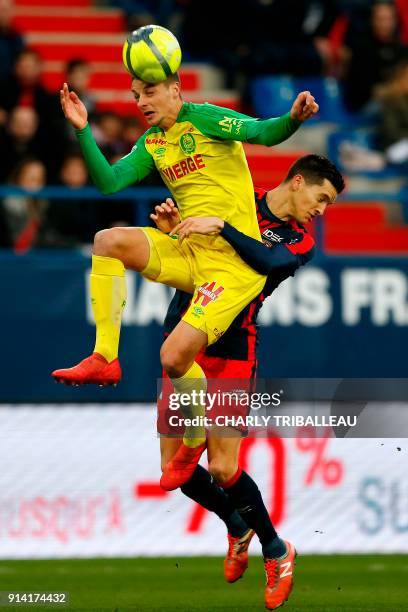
point(182, 168)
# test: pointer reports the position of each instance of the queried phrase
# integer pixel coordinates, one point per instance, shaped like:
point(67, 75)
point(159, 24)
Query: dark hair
point(316, 168)
point(75, 63)
point(174, 78)
point(21, 165)
point(380, 2)
point(72, 155)
point(28, 51)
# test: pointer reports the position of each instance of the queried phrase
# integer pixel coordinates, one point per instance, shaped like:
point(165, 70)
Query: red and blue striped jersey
point(285, 247)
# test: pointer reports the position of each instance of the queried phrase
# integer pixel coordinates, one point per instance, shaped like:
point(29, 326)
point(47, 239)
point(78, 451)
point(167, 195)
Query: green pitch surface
point(322, 583)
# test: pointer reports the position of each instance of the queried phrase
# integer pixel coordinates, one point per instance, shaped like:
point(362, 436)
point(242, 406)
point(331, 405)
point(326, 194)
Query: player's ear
point(297, 181)
point(176, 88)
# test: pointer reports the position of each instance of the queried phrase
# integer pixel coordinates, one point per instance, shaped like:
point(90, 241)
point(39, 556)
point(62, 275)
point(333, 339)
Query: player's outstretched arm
point(265, 260)
point(226, 124)
point(271, 131)
point(108, 178)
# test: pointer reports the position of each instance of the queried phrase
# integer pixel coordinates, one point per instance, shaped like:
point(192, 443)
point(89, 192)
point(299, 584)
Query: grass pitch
point(322, 584)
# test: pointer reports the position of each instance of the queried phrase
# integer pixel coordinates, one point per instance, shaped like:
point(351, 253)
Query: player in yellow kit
point(198, 152)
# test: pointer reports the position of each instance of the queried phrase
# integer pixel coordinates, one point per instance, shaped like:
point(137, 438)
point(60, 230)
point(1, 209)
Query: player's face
point(311, 200)
point(156, 101)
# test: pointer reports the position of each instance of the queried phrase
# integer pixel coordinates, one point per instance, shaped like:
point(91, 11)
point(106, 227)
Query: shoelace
point(271, 572)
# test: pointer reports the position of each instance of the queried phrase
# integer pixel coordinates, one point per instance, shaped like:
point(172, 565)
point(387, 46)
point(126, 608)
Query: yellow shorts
point(220, 282)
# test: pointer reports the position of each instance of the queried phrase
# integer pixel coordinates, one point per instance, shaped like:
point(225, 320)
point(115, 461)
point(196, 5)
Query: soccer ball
point(151, 54)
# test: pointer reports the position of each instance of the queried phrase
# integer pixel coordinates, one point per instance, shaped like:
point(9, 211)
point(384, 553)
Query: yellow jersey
point(200, 159)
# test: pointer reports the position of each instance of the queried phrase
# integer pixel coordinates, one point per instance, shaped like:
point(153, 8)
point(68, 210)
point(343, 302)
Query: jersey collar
point(181, 111)
point(266, 211)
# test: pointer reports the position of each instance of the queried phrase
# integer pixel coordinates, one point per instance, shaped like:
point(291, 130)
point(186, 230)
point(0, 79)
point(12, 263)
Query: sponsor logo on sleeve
point(281, 235)
point(232, 125)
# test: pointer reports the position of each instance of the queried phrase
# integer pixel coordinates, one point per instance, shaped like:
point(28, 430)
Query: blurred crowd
point(363, 43)
point(358, 41)
point(39, 148)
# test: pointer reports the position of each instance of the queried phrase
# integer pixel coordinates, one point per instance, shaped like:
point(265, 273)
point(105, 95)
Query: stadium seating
point(271, 95)
point(61, 33)
point(346, 146)
point(327, 92)
point(269, 166)
point(370, 228)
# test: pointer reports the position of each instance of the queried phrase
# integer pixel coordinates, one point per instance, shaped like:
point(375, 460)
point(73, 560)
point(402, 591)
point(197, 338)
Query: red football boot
point(180, 469)
point(279, 578)
point(236, 561)
point(93, 370)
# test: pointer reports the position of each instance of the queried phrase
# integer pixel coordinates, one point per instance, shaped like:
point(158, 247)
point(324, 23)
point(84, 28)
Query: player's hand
point(198, 225)
point(166, 216)
point(73, 109)
point(304, 107)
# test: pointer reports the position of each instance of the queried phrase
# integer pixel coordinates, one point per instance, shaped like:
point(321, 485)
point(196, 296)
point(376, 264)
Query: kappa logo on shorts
point(207, 293)
point(197, 311)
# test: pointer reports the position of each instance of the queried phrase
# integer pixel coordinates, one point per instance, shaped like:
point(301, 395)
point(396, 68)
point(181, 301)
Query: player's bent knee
point(222, 471)
point(172, 363)
point(108, 243)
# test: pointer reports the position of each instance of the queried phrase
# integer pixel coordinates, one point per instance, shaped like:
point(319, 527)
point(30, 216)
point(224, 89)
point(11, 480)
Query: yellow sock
point(108, 296)
point(193, 380)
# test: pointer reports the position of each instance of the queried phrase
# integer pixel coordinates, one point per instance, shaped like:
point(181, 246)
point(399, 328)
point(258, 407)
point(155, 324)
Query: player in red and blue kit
point(312, 183)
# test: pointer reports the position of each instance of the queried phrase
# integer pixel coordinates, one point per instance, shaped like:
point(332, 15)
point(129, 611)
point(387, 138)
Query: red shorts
point(233, 371)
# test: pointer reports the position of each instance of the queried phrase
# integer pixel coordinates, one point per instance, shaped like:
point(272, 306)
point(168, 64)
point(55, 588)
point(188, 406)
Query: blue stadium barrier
point(141, 196)
point(145, 196)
